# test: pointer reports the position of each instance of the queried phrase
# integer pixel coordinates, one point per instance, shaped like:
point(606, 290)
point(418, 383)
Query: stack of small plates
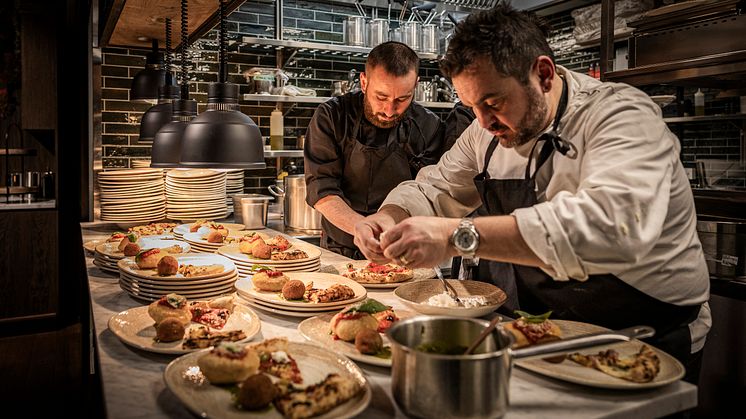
point(132, 196)
point(198, 242)
point(244, 262)
point(106, 255)
point(196, 194)
point(273, 302)
point(146, 284)
point(233, 186)
point(139, 164)
point(182, 229)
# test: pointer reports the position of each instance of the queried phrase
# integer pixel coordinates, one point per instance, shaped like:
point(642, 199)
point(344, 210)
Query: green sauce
point(441, 348)
point(384, 353)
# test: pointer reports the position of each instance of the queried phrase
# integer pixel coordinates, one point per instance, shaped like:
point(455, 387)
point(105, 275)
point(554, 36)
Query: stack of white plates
point(106, 255)
point(132, 196)
point(182, 229)
point(196, 194)
point(140, 164)
point(244, 262)
point(273, 302)
point(200, 244)
point(233, 186)
point(146, 284)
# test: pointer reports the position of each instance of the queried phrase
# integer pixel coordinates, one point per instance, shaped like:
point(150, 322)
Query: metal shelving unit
point(322, 99)
point(18, 152)
point(705, 118)
point(316, 47)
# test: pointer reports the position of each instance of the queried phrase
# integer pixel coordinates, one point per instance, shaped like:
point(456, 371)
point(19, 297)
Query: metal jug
point(298, 214)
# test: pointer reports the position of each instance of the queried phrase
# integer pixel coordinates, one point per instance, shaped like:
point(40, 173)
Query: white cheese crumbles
point(280, 357)
point(445, 300)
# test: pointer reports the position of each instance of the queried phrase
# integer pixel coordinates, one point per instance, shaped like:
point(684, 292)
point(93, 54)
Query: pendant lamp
point(146, 82)
point(222, 136)
point(159, 115)
point(166, 149)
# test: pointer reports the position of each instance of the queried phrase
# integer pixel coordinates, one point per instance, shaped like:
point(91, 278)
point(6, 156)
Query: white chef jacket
point(619, 202)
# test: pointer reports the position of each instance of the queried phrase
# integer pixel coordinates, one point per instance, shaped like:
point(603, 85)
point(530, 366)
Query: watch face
point(464, 240)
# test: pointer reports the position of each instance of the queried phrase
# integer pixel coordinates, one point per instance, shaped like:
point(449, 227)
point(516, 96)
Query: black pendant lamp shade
point(166, 149)
point(146, 82)
point(222, 136)
point(158, 115)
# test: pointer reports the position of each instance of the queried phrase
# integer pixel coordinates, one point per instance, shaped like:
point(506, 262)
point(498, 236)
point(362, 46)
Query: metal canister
point(395, 34)
point(430, 39)
point(411, 34)
point(354, 31)
point(378, 32)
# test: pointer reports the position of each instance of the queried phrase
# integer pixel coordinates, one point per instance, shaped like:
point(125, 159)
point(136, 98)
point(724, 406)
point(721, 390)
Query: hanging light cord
point(184, 42)
point(168, 47)
point(223, 70)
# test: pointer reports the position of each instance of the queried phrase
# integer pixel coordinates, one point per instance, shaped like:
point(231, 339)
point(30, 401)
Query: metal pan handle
point(585, 342)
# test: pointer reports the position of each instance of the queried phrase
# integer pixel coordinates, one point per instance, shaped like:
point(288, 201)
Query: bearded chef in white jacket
point(582, 202)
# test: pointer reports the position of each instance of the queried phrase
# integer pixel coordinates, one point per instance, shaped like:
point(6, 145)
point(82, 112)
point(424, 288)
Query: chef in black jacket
point(361, 145)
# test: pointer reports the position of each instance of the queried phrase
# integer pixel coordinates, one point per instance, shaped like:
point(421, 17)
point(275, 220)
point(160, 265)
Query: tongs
point(449, 288)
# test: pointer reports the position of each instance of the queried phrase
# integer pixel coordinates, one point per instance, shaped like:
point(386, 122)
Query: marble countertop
point(134, 387)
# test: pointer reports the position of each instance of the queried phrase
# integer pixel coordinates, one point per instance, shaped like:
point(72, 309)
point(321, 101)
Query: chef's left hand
point(419, 242)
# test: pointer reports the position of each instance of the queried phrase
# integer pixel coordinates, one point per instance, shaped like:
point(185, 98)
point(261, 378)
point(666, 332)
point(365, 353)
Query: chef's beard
point(532, 124)
point(375, 120)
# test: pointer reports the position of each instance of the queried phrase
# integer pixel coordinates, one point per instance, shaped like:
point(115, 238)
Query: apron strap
point(488, 156)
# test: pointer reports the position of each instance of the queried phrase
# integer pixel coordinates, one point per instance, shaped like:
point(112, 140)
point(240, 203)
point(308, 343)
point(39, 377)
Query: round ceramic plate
point(111, 249)
point(91, 245)
point(178, 286)
point(184, 378)
point(320, 281)
point(311, 309)
point(153, 296)
point(277, 311)
point(232, 252)
point(192, 173)
point(317, 330)
point(415, 295)
point(135, 328)
point(198, 259)
point(670, 368)
point(420, 273)
point(178, 281)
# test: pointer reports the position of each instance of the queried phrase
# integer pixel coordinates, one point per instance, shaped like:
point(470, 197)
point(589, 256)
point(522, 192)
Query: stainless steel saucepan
point(468, 386)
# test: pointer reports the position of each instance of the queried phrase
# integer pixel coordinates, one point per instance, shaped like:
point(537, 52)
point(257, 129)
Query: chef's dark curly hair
point(511, 39)
point(396, 58)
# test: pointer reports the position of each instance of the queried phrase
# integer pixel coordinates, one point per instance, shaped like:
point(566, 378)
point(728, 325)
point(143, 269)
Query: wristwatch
point(465, 238)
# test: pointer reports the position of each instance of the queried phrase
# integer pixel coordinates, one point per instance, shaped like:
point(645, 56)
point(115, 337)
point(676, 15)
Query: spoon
point(487, 330)
point(449, 288)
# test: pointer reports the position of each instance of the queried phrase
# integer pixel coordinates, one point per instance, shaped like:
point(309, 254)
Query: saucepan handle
point(276, 190)
point(585, 342)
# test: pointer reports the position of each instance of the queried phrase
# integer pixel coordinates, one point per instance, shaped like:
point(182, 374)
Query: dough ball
point(131, 249)
point(214, 236)
point(347, 325)
point(256, 392)
point(228, 363)
point(368, 342)
point(293, 290)
point(168, 265)
point(170, 329)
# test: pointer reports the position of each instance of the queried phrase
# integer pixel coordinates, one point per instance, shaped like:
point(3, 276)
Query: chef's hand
point(368, 234)
point(419, 242)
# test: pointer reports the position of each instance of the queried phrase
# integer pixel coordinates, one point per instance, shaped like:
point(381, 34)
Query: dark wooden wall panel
point(38, 70)
point(29, 277)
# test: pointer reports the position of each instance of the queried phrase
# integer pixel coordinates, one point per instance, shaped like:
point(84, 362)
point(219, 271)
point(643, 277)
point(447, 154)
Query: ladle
point(486, 332)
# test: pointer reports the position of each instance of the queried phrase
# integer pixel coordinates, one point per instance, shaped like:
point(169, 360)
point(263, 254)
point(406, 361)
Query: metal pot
point(378, 32)
point(430, 39)
point(298, 214)
point(426, 92)
point(467, 386)
point(724, 246)
point(411, 34)
point(251, 210)
point(354, 30)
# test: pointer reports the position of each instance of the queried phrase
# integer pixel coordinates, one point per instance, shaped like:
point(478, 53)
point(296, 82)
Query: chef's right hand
point(368, 235)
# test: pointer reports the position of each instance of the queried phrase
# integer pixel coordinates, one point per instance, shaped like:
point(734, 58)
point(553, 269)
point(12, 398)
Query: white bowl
point(415, 295)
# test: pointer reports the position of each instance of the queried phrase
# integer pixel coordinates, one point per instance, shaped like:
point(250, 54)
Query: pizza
point(152, 229)
point(199, 270)
point(641, 367)
point(317, 398)
point(337, 292)
point(275, 359)
point(202, 337)
point(209, 316)
point(290, 255)
point(278, 243)
point(373, 273)
point(529, 329)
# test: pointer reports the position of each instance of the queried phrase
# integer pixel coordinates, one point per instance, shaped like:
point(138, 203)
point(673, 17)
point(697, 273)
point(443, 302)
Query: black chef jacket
point(348, 156)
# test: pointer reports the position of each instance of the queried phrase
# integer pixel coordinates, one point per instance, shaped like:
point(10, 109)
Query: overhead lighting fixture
point(146, 82)
point(222, 136)
point(159, 115)
point(166, 149)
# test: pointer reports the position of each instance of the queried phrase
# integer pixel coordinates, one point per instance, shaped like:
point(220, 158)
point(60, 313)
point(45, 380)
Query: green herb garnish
point(533, 318)
point(369, 306)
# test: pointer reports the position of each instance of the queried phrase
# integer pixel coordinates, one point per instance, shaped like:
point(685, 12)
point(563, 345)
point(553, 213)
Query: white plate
point(317, 330)
point(198, 259)
point(91, 245)
point(320, 281)
point(179, 286)
point(106, 268)
point(135, 328)
point(178, 281)
point(153, 296)
point(415, 294)
point(300, 266)
point(567, 370)
point(111, 249)
point(232, 252)
point(420, 273)
point(312, 309)
point(192, 174)
point(277, 311)
point(185, 380)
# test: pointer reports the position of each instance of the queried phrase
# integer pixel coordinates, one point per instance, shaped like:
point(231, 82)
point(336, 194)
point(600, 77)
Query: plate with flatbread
point(374, 275)
point(191, 266)
point(322, 283)
point(627, 356)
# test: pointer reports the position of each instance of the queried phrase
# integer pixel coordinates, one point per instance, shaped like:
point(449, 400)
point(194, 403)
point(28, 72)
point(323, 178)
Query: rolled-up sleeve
point(616, 215)
point(322, 155)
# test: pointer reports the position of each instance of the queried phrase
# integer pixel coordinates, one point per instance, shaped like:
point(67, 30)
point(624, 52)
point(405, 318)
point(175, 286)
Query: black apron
point(604, 299)
point(370, 170)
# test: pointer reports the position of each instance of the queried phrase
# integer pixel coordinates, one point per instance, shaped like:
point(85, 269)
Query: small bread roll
point(148, 258)
point(168, 265)
point(229, 363)
point(269, 280)
point(214, 236)
point(132, 249)
point(346, 326)
point(294, 290)
point(129, 238)
point(256, 392)
point(368, 342)
point(261, 250)
point(171, 305)
point(170, 329)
